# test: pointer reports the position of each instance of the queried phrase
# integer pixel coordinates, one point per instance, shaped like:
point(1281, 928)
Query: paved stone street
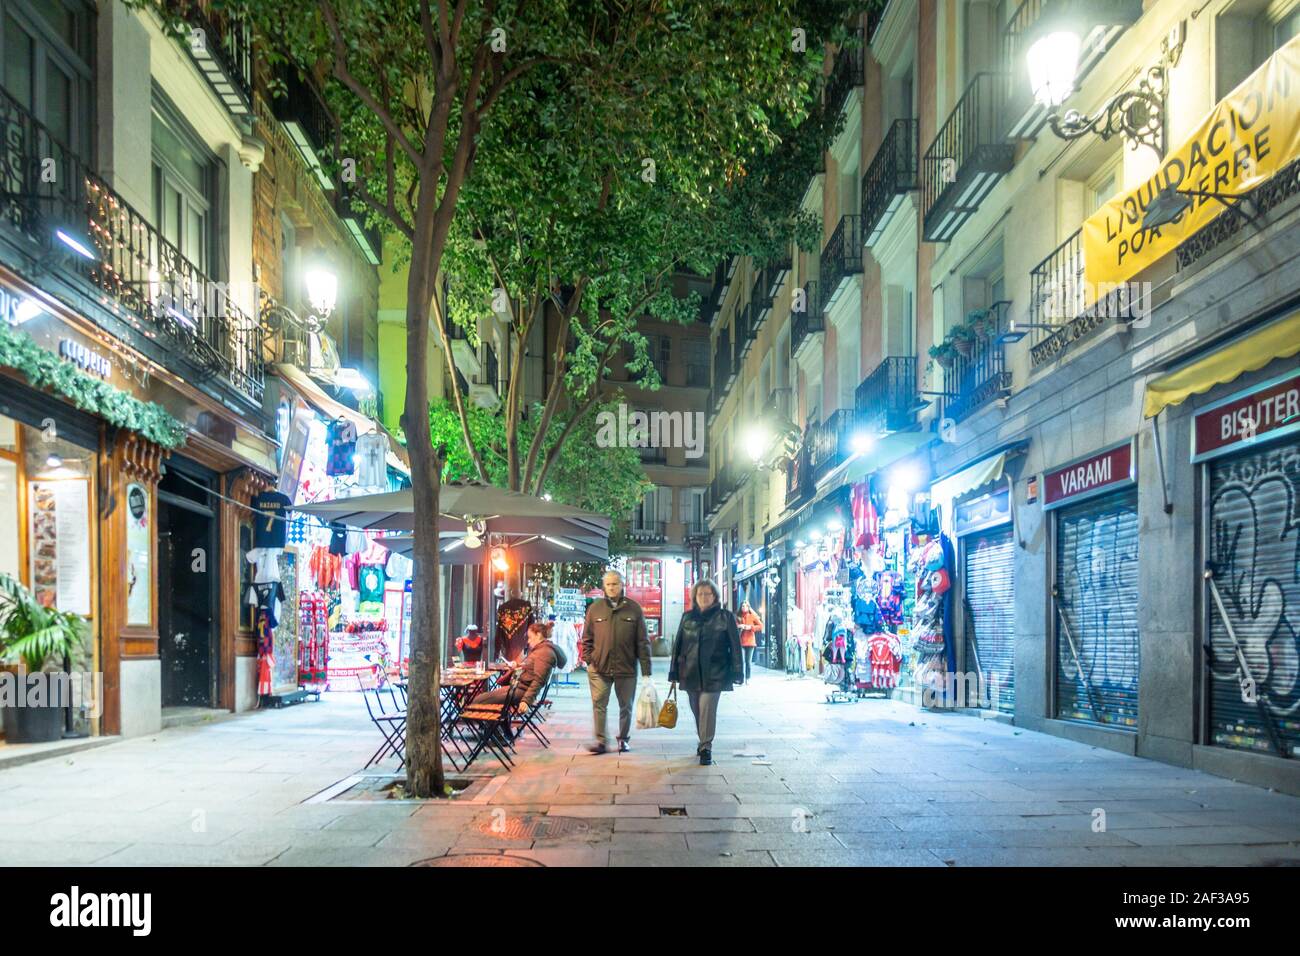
point(796, 782)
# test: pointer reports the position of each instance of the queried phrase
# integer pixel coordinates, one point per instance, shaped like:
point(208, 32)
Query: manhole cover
point(672, 811)
point(477, 859)
point(531, 827)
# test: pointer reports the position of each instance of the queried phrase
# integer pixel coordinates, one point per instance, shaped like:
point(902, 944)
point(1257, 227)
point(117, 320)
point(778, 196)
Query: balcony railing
point(746, 333)
point(357, 222)
point(777, 405)
point(830, 443)
point(886, 399)
point(222, 50)
point(892, 175)
point(721, 488)
point(301, 108)
point(967, 158)
point(760, 300)
point(132, 272)
point(697, 375)
point(649, 532)
point(841, 259)
point(975, 380)
point(724, 369)
point(806, 324)
point(776, 272)
point(847, 73)
point(799, 483)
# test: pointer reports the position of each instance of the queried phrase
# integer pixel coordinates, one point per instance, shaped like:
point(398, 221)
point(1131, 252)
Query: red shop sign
point(1089, 476)
point(1270, 409)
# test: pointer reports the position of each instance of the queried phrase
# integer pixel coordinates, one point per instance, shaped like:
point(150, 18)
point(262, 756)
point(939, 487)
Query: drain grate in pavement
point(528, 827)
point(477, 859)
point(672, 811)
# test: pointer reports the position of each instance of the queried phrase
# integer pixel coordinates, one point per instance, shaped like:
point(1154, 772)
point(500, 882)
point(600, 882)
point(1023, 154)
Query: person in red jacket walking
point(750, 625)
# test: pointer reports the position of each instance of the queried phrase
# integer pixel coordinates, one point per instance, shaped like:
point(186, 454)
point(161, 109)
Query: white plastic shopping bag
point(647, 707)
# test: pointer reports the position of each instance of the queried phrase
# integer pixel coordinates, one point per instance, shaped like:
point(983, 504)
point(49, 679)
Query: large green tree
point(424, 91)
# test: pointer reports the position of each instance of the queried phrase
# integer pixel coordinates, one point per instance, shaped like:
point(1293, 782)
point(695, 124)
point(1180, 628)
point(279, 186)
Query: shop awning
point(1280, 339)
point(330, 408)
point(946, 490)
point(888, 450)
point(529, 549)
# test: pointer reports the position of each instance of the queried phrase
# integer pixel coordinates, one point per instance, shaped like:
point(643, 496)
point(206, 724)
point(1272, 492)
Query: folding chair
point(489, 726)
point(532, 718)
point(391, 724)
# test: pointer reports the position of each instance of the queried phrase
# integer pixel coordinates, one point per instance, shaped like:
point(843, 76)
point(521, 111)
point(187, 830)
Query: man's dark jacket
point(614, 638)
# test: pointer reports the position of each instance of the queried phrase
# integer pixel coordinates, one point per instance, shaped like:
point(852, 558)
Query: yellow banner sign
point(1250, 135)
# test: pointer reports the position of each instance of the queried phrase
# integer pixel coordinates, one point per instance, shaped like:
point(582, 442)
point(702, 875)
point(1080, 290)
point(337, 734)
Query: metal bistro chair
point(532, 719)
point(489, 728)
point(390, 722)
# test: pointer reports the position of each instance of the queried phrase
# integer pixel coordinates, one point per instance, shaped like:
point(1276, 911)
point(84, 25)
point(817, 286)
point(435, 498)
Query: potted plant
point(963, 340)
point(977, 320)
point(38, 638)
point(943, 353)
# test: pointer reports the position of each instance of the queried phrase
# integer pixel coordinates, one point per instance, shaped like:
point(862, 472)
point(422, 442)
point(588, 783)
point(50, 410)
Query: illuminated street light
point(322, 290)
point(1053, 64)
point(862, 442)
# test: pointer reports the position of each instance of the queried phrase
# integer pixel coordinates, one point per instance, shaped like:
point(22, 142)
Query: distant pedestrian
point(750, 625)
point(614, 642)
point(706, 660)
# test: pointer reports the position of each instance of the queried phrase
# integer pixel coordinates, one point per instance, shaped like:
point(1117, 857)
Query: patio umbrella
point(524, 549)
point(500, 510)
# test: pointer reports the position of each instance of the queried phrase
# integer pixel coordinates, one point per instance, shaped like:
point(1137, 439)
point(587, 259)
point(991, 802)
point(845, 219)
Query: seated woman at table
point(542, 658)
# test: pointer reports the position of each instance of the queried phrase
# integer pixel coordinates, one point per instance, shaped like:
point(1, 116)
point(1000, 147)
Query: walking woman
point(706, 660)
point(750, 625)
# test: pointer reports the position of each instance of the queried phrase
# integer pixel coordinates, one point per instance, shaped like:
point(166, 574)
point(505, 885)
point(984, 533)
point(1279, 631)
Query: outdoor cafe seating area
point(470, 730)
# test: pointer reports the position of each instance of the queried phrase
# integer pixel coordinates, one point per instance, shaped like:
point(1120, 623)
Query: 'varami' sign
point(1251, 134)
point(1267, 410)
point(1090, 476)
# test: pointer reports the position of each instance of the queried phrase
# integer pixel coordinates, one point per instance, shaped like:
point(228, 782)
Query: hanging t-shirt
point(325, 568)
point(266, 564)
point(372, 471)
point(370, 584)
point(266, 598)
point(341, 435)
point(270, 524)
point(338, 540)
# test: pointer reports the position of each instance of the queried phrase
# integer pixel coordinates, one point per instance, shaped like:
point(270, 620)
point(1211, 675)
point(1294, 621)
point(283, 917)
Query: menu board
point(60, 543)
point(139, 541)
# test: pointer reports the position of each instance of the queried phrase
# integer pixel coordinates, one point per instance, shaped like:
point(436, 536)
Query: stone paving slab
point(876, 783)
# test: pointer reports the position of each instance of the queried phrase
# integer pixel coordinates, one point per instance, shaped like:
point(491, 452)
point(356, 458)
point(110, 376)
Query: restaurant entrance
point(187, 592)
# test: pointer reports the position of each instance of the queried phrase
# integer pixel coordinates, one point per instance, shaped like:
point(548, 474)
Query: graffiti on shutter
point(1254, 550)
point(1096, 611)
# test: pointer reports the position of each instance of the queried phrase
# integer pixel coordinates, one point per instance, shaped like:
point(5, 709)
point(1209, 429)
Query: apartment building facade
point(151, 192)
point(1075, 373)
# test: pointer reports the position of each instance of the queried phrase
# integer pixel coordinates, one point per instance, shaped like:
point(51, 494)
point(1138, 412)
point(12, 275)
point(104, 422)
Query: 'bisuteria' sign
point(1252, 133)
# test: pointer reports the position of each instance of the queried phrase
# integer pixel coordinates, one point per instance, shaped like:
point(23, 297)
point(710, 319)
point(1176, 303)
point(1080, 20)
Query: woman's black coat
point(706, 654)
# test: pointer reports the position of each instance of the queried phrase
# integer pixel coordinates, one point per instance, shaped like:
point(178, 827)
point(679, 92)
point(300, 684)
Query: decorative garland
point(44, 369)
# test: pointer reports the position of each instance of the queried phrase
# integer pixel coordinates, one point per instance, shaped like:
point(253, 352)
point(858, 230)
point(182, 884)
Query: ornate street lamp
point(1054, 44)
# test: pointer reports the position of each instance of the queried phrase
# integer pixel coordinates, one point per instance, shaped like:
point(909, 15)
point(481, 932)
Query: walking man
point(614, 642)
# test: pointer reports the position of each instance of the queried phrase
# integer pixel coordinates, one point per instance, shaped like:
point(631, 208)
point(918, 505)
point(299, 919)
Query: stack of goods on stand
point(931, 567)
point(569, 608)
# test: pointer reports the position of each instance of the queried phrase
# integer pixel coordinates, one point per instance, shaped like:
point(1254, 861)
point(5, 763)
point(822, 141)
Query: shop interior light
point(757, 442)
point(562, 544)
point(862, 442)
point(76, 241)
point(322, 289)
point(26, 310)
point(815, 535)
point(904, 478)
point(832, 527)
point(499, 560)
point(1053, 65)
point(53, 461)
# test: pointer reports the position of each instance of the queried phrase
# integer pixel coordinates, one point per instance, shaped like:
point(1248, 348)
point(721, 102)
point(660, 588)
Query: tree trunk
point(424, 770)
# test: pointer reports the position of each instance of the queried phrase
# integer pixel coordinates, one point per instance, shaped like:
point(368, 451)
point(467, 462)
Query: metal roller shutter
point(35, 408)
point(1254, 549)
point(1096, 611)
point(989, 576)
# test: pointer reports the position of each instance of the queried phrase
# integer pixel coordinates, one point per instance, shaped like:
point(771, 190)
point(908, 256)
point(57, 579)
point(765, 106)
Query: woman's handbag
point(668, 712)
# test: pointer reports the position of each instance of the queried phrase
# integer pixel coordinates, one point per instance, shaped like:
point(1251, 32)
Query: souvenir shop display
point(470, 645)
point(313, 642)
point(341, 437)
point(929, 567)
point(839, 645)
point(569, 607)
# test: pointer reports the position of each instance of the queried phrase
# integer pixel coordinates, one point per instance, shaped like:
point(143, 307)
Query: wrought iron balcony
point(972, 381)
point(777, 406)
point(222, 48)
point(776, 271)
point(760, 301)
point(746, 333)
point(129, 279)
point(721, 488)
point(841, 259)
point(886, 400)
point(848, 72)
point(831, 443)
point(807, 324)
point(302, 110)
point(649, 532)
point(967, 158)
point(355, 219)
point(724, 369)
point(892, 175)
point(799, 483)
